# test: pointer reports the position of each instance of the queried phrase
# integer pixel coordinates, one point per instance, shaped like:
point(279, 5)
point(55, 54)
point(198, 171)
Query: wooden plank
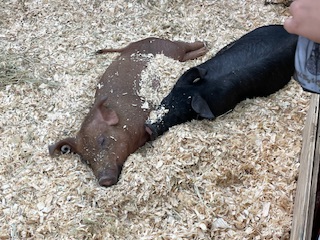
point(308, 173)
point(315, 178)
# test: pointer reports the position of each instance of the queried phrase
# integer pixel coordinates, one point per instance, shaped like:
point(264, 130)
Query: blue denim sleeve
point(307, 65)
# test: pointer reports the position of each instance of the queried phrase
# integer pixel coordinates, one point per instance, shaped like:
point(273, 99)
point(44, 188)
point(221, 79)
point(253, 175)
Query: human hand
point(305, 19)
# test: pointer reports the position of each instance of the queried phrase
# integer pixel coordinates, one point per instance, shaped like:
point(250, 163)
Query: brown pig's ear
point(64, 146)
point(107, 114)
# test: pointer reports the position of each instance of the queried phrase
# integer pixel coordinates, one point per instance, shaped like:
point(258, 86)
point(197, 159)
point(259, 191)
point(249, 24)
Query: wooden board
point(308, 175)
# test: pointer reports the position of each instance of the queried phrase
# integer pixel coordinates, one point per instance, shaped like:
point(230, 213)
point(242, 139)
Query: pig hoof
point(107, 181)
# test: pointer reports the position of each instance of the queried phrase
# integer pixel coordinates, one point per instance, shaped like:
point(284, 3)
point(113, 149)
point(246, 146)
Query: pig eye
point(102, 141)
point(65, 149)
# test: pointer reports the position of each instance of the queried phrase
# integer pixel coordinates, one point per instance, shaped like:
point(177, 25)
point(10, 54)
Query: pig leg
point(193, 50)
point(194, 54)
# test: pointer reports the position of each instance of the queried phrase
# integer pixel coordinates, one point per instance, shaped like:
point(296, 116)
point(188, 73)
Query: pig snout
point(108, 177)
point(176, 108)
point(155, 129)
point(107, 181)
point(150, 129)
point(154, 125)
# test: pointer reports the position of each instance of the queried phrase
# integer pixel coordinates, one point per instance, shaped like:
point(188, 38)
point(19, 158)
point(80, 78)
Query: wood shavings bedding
point(232, 178)
point(157, 82)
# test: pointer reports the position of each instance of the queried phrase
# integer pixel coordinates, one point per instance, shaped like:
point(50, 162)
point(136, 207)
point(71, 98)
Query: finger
point(294, 7)
point(290, 25)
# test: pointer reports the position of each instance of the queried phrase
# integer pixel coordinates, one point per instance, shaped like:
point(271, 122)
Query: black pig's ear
point(193, 75)
point(201, 72)
point(200, 106)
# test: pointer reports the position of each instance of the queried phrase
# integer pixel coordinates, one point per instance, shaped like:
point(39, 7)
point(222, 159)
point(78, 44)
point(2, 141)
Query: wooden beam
point(308, 175)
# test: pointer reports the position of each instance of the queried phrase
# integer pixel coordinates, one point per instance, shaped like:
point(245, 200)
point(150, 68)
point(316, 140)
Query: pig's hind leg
point(193, 50)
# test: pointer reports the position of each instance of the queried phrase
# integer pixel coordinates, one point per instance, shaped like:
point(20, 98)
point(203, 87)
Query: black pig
point(258, 64)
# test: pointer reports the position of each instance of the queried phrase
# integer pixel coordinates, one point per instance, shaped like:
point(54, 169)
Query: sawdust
point(232, 178)
point(156, 82)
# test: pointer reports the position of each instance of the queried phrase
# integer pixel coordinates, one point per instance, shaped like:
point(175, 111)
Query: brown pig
point(114, 127)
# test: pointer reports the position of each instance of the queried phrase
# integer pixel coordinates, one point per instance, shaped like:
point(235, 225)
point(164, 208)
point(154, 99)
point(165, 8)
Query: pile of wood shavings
point(156, 82)
point(232, 178)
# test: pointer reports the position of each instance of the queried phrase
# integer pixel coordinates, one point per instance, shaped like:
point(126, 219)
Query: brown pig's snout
point(108, 177)
point(108, 181)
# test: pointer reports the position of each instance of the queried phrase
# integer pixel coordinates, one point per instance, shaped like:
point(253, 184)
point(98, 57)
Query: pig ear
point(201, 72)
point(108, 115)
point(64, 146)
point(200, 106)
point(193, 75)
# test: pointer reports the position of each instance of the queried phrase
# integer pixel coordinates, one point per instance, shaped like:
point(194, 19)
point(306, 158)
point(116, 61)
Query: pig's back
point(253, 49)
